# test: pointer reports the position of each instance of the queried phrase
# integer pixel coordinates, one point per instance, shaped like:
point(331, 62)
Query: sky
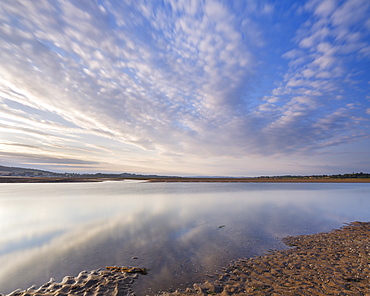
point(187, 87)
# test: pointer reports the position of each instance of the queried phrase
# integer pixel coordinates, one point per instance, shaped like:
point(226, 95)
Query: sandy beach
point(334, 263)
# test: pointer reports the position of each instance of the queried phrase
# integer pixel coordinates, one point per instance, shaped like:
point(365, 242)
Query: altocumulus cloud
point(146, 81)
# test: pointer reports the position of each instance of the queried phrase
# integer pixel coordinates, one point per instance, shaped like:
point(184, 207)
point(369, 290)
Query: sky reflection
point(54, 230)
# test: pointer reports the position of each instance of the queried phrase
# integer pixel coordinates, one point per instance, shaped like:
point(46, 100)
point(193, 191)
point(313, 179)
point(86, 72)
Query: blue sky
point(238, 88)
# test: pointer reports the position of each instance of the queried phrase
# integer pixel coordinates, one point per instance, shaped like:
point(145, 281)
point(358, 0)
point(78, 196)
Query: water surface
point(181, 231)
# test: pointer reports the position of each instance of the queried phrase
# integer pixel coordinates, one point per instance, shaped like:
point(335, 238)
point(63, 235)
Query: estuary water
point(180, 231)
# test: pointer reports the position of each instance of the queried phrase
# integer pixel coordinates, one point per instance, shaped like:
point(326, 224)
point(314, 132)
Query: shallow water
point(181, 231)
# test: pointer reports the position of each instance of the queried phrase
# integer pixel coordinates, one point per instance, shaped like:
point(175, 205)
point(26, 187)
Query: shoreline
point(9, 180)
point(332, 263)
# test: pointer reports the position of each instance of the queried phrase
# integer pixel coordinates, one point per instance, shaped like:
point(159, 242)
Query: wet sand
point(334, 263)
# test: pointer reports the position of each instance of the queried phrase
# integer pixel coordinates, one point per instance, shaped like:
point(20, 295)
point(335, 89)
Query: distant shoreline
point(6, 179)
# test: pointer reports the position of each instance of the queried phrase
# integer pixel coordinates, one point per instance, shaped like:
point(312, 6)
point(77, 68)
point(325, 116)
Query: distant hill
point(24, 172)
point(15, 171)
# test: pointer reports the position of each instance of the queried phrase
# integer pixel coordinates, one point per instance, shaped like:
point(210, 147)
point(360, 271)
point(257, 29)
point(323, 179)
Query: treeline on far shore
point(338, 176)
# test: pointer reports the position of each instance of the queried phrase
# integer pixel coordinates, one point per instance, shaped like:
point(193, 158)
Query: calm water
point(54, 230)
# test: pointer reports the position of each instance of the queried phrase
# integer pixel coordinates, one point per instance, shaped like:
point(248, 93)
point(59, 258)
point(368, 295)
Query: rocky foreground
point(96, 282)
point(334, 263)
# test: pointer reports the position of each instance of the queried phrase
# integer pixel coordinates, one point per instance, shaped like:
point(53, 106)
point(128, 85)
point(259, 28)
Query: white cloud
point(317, 72)
point(317, 36)
point(326, 8)
point(80, 71)
point(293, 54)
point(267, 8)
point(350, 13)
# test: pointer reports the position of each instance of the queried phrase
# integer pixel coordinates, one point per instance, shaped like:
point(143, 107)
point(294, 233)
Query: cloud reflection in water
point(54, 230)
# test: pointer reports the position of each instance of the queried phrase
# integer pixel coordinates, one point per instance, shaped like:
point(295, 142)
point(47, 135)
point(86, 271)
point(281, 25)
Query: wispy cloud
point(313, 102)
point(182, 77)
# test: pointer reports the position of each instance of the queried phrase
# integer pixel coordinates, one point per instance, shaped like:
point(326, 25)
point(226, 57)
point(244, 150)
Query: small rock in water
point(135, 257)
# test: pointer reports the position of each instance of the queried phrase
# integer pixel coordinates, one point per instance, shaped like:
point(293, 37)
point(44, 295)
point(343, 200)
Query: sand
point(334, 263)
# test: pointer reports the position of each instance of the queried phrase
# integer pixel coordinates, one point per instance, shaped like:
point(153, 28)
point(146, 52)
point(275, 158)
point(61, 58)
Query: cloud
point(176, 78)
point(136, 93)
point(42, 158)
point(325, 8)
point(318, 72)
